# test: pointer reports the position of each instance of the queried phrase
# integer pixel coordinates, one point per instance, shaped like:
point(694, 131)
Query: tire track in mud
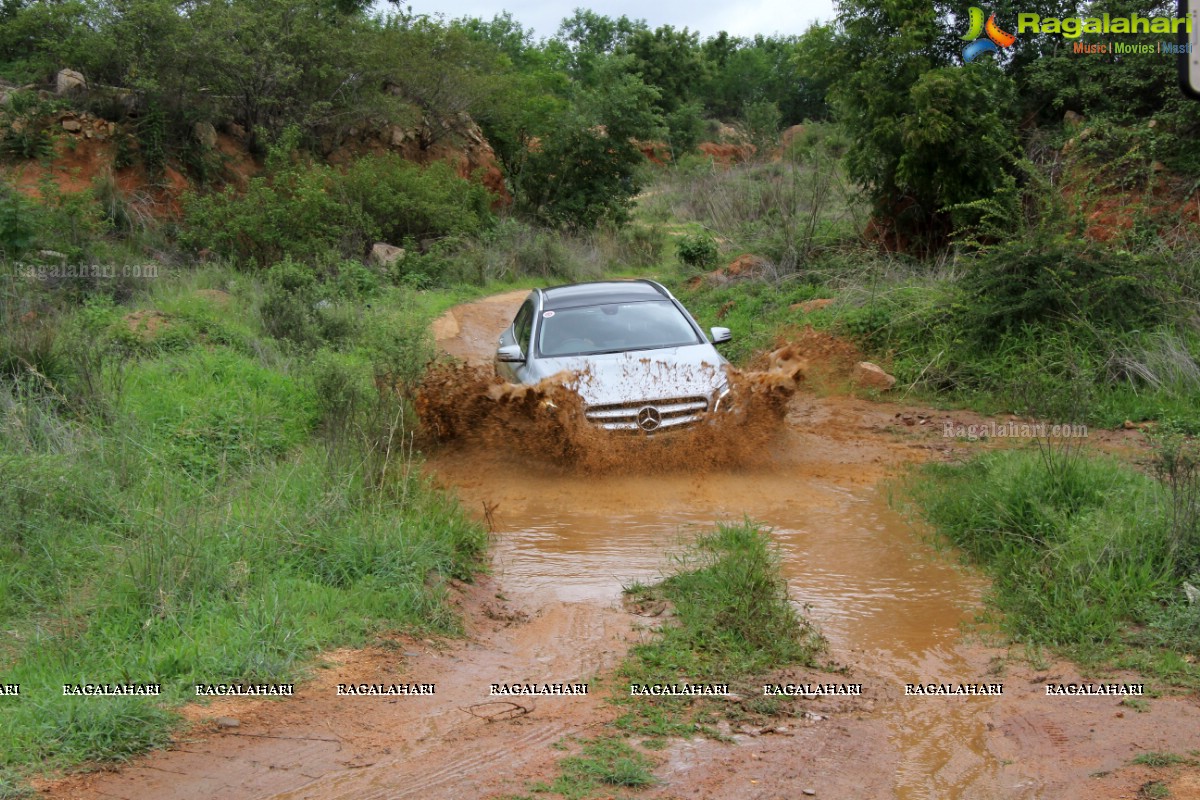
point(379, 781)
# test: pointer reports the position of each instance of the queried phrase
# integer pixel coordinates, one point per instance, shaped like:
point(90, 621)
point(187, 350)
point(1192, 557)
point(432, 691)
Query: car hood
point(696, 370)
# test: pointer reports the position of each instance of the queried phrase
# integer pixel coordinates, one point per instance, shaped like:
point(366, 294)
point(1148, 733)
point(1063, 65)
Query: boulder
point(384, 255)
point(869, 376)
point(1072, 118)
point(398, 135)
point(71, 125)
point(69, 82)
point(205, 134)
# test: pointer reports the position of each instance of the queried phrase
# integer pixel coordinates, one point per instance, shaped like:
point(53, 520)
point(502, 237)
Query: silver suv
point(641, 361)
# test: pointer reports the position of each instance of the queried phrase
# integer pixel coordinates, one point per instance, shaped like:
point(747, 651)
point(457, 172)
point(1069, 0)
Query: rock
point(1152, 124)
point(52, 255)
point(1072, 118)
point(810, 792)
point(868, 376)
point(72, 125)
point(68, 82)
point(384, 255)
point(399, 136)
point(205, 134)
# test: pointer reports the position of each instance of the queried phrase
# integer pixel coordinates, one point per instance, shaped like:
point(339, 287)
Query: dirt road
point(891, 606)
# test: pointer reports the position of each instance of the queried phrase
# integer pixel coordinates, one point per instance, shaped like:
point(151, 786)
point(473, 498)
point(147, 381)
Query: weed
point(1137, 704)
point(604, 762)
point(1155, 790)
point(1177, 465)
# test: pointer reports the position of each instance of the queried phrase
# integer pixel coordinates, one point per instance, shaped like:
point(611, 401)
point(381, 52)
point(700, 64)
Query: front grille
point(668, 413)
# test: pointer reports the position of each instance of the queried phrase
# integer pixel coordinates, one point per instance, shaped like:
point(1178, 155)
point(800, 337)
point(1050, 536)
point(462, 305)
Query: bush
point(639, 245)
point(1053, 282)
point(342, 386)
point(697, 250)
point(406, 201)
point(25, 130)
point(287, 308)
point(310, 210)
point(685, 129)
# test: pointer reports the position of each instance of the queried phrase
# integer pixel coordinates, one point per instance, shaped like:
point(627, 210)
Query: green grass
point(1081, 553)
point(1156, 759)
point(197, 520)
point(732, 616)
point(605, 763)
point(731, 620)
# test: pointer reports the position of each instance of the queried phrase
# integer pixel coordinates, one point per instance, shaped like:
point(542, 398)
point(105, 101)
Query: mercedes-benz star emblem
point(649, 419)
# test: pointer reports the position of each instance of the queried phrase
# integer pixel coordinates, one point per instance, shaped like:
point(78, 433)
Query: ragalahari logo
point(995, 41)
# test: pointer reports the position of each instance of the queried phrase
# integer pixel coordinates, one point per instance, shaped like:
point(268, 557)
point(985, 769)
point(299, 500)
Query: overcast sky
point(741, 18)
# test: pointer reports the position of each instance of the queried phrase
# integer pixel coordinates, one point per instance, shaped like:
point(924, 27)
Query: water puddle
point(890, 605)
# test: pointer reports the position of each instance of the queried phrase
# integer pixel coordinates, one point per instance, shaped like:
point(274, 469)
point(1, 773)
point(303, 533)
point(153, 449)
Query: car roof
point(602, 292)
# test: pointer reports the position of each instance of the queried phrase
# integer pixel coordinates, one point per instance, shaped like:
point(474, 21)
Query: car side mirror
point(721, 335)
point(510, 354)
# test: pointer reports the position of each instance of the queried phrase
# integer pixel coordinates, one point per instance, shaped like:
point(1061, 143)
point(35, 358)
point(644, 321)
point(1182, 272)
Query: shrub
point(287, 308)
point(26, 130)
point(697, 250)
point(310, 210)
point(342, 386)
point(1053, 281)
point(406, 201)
point(639, 245)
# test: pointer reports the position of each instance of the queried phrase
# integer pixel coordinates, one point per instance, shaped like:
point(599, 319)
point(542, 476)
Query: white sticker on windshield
point(547, 314)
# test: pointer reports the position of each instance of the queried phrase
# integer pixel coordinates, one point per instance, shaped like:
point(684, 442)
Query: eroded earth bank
point(568, 536)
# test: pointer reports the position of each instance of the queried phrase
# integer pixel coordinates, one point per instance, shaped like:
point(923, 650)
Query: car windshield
point(614, 328)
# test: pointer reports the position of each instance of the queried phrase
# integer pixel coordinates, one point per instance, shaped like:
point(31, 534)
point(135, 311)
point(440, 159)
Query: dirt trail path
point(890, 605)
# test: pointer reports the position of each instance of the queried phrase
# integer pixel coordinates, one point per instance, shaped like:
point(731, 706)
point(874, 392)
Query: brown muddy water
point(577, 517)
point(881, 595)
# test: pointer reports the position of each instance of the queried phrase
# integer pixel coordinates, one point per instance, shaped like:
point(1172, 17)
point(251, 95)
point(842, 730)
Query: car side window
point(523, 326)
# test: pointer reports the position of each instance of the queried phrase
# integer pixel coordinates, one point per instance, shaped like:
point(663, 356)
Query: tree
point(584, 169)
point(586, 38)
point(669, 60)
point(925, 135)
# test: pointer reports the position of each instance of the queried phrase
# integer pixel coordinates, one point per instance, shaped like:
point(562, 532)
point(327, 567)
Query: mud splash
point(546, 421)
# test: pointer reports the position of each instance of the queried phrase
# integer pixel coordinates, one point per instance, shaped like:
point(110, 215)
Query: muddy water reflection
point(890, 605)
